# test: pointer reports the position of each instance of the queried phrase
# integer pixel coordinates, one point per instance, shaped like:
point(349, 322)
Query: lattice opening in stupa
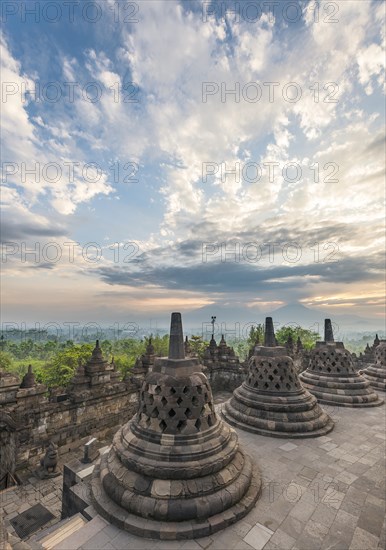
point(272, 401)
point(332, 377)
point(176, 470)
point(376, 372)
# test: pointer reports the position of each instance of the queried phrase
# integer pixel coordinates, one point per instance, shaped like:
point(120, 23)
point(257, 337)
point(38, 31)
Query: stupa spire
point(269, 338)
point(176, 342)
point(328, 333)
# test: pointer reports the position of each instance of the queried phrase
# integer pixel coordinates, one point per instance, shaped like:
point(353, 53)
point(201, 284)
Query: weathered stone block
point(90, 451)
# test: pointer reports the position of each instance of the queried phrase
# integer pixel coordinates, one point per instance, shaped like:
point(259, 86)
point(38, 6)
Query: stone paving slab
point(307, 502)
point(314, 496)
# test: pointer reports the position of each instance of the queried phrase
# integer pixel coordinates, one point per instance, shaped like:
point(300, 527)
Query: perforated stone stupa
point(332, 378)
point(272, 400)
point(176, 470)
point(368, 356)
point(376, 373)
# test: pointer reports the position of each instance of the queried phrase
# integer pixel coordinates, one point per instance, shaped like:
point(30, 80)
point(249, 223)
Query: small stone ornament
point(48, 463)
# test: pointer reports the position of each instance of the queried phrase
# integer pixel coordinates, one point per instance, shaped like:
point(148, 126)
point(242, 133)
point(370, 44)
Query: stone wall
point(223, 367)
point(95, 402)
point(225, 371)
point(226, 378)
point(368, 356)
point(67, 422)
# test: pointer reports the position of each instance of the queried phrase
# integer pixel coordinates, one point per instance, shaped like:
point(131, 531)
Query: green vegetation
point(5, 361)
point(242, 347)
point(308, 337)
point(255, 333)
point(20, 367)
point(59, 370)
point(55, 362)
point(357, 345)
point(198, 346)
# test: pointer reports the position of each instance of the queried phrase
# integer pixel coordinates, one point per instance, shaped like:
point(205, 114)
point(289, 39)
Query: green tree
point(198, 346)
point(125, 353)
point(50, 347)
point(59, 370)
point(241, 348)
point(308, 337)
point(254, 333)
point(107, 348)
point(20, 367)
point(160, 343)
point(5, 361)
point(123, 364)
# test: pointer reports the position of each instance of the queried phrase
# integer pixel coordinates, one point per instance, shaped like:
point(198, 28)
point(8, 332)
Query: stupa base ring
point(376, 382)
point(379, 386)
point(236, 423)
point(333, 400)
point(168, 530)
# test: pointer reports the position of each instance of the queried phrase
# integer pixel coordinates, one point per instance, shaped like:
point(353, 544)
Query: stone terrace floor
point(318, 493)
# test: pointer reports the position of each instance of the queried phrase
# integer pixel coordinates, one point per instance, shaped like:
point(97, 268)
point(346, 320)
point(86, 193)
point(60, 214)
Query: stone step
point(81, 535)
point(90, 512)
point(62, 532)
point(35, 539)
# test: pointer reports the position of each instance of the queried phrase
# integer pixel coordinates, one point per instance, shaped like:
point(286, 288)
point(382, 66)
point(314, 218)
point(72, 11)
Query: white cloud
point(172, 127)
point(31, 153)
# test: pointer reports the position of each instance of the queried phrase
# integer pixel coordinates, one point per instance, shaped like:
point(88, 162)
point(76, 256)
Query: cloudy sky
point(169, 155)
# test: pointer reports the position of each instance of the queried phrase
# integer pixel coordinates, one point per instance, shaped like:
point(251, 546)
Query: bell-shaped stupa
point(376, 373)
point(332, 378)
point(272, 400)
point(28, 379)
point(176, 470)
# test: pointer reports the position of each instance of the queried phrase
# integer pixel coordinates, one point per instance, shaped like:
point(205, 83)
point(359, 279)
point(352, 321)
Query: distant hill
point(231, 315)
point(307, 317)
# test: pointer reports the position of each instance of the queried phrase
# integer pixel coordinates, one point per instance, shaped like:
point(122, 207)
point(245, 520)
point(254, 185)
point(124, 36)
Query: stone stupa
point(332, 377)
point(28, 379)
point(376, 373)
point(272, 400)
point(176, 470)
